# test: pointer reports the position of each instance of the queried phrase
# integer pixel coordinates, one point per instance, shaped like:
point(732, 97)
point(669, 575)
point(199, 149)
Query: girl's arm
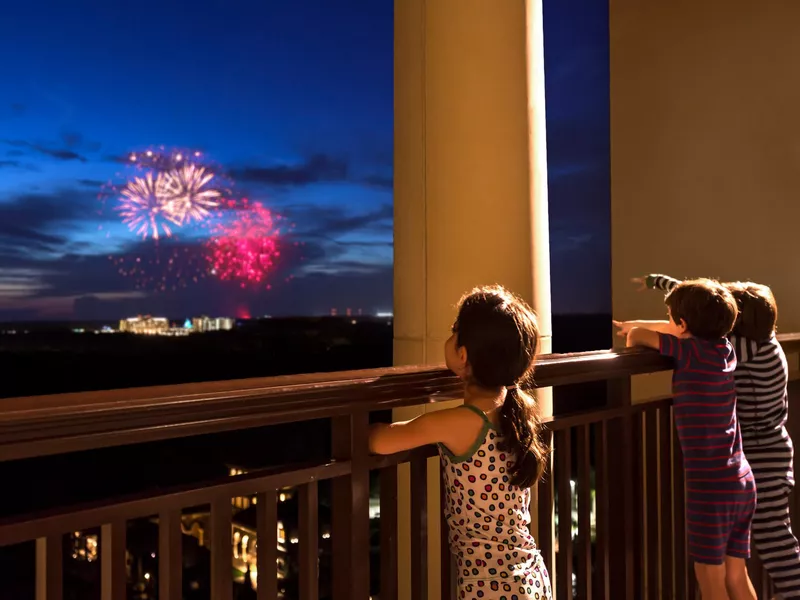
point(449, 427)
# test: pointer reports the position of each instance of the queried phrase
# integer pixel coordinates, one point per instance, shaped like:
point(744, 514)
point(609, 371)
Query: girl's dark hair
point(499, 332)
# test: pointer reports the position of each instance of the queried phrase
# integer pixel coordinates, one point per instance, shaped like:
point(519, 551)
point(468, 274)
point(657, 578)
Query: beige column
point(470, 183)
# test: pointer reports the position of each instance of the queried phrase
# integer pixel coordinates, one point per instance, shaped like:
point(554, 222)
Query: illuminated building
point(84, 546)
point(204, 324)
point(145, 325)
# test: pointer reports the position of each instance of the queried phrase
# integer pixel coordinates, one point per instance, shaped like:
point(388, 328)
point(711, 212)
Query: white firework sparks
point(190, 197)
point(144, 205)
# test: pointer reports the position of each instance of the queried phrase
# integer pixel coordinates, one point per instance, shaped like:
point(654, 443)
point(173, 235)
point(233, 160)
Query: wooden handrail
point(45, 425)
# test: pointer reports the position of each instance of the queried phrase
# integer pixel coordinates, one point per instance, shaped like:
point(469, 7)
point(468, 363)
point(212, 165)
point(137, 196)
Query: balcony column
point(470, 185)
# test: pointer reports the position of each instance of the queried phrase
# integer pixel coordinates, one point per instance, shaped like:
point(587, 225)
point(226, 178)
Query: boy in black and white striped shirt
point(762, 408)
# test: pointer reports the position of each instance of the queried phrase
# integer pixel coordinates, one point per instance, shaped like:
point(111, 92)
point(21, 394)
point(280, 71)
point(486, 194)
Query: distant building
point(145, 325)
point(204, 324)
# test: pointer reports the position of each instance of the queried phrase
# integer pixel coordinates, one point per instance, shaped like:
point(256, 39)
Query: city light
point(147, 325)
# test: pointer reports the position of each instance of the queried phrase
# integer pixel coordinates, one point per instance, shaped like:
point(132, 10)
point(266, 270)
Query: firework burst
point(163, 195)
point(143, 205)
point(169, 189)
point(190, 195)
point(245, 250)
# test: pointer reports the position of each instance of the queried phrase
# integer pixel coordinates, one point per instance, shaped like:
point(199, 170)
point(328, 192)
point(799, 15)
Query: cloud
point(92, 183)
point(64, 154)
point(318, 168)
point(120, 159)
point(16, 164)
point(331, 222)
point(38, 210)
point(38, 223)
point(379, 181)
point(75, 141)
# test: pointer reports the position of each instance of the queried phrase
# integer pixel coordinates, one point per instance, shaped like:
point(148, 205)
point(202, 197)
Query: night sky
point(290, 101)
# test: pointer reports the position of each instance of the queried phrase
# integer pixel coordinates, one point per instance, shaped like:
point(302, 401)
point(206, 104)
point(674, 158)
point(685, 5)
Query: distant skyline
point(293, 100)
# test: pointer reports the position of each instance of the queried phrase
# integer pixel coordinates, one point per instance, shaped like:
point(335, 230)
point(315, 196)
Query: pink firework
point(245, 250)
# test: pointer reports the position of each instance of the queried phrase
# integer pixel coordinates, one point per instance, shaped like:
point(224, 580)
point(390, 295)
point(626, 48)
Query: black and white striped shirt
point(762, 403)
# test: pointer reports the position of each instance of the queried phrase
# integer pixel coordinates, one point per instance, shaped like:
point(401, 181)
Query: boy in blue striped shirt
point(720, 489)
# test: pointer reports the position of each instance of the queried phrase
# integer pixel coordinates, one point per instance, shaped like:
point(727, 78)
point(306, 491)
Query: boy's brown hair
point(758, 311)
point(706, 306)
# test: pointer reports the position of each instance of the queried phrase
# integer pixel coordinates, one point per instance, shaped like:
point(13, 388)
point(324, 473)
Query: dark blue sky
point(293, 100)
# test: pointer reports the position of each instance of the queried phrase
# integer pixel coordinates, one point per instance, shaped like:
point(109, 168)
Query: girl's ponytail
point(520, 426)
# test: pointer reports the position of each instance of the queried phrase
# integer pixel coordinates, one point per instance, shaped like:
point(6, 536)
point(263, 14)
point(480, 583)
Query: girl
point(762, 408)
point(490, 449)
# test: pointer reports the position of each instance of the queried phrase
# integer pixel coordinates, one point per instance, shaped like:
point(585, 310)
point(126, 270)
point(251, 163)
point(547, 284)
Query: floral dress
point(488, 521)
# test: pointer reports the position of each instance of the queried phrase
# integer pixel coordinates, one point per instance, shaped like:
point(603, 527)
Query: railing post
point(221, 549)
point(419, 529)
point(350, 531)
point(170, 556)
point(267, 551)
point(584, 451)
point(448, 562)
point(49, 568)
point(113, 561)
point(603, 538)
point(544, 506)
point(388, 533)
point(563, 460)
point(309, 542)
point(622, 512)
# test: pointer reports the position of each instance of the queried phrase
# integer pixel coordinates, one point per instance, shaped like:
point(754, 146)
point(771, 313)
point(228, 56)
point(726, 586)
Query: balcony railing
point(617, 468)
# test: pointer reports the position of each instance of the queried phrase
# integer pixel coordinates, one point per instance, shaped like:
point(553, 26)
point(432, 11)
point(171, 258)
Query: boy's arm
point(640, 336)
point(679, 349)
point(626, 326)
point(657, 282)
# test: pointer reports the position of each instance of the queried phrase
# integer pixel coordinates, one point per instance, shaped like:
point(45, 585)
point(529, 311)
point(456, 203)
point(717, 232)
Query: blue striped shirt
point(705, 408)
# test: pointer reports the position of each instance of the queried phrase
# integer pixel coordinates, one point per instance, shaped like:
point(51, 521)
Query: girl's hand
point(624, 327)
point(641, 282)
